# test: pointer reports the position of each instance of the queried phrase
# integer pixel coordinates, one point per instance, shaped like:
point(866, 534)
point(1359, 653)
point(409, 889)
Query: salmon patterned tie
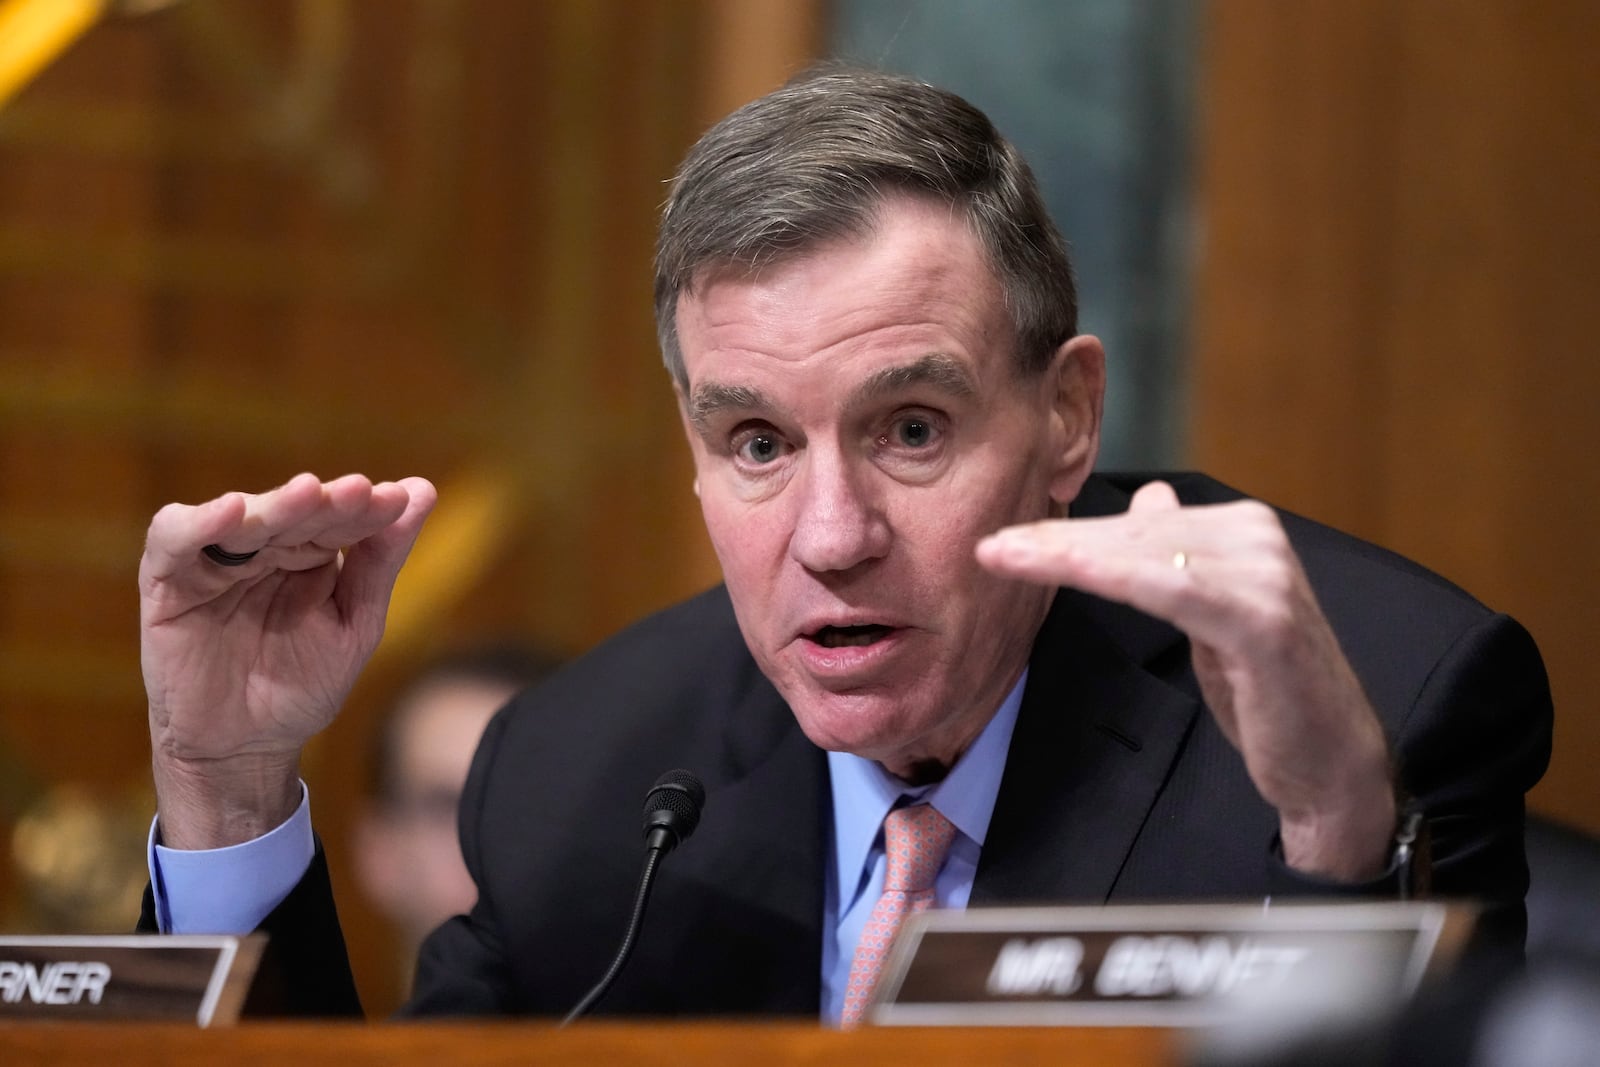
point(915, 842)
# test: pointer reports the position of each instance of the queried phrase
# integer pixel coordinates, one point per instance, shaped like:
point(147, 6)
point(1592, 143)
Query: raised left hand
point(1269, 665)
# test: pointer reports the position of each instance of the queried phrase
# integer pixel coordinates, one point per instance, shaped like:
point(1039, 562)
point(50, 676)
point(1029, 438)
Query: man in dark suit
point(870, 324)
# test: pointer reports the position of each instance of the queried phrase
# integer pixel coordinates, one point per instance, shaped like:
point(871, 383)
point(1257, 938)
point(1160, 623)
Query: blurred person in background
point(408, 854)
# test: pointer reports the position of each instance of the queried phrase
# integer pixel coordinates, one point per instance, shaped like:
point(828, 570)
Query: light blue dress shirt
point(231, 890)
point(863, 793)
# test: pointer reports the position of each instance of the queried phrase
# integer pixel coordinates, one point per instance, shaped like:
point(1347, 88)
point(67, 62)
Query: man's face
point(857, 427)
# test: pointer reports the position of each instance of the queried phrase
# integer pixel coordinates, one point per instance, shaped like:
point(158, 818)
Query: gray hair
point(814, 160)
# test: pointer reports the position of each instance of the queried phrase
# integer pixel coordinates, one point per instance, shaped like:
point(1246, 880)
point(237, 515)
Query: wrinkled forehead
point(915, 251)
point(772, 251)
point(850, 224)
point(861, 322)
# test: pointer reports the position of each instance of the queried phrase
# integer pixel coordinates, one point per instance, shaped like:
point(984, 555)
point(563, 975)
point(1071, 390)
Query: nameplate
point(188, 978)
point(1158, 965)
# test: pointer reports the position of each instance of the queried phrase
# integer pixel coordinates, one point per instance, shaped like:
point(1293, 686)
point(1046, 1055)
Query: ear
point(1077, 375)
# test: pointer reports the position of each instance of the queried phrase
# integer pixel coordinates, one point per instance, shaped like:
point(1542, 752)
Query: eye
point(759, 447)
point(913, 432)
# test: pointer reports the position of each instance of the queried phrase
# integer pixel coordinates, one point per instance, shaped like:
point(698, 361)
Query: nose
point(838, 524)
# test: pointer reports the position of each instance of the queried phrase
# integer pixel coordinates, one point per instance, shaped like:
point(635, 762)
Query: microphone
point(671, 812)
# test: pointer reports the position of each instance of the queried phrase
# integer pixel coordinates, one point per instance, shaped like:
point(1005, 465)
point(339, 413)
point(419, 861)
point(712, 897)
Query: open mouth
point(849, 636)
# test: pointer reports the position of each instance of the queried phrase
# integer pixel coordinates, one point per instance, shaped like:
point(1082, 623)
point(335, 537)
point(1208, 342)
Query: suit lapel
point(752, 879)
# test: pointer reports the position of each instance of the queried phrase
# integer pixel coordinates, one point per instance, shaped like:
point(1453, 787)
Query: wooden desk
point(587, 1045)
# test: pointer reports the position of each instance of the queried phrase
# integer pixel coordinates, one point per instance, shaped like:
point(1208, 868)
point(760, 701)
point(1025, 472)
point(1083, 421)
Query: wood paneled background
point(1395, 307)
point(239, 240)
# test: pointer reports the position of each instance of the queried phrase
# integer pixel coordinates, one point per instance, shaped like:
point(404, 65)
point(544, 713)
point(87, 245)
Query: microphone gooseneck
point(671, 813)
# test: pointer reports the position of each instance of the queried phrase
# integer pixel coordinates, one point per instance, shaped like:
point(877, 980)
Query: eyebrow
point(713, 397)
point(936, 369)
point(944, 373)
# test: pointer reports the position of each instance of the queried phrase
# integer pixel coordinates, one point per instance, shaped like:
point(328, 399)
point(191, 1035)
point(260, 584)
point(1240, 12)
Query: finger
point(345, 512)
point(179, 531)
point(1108, 557)
point(372, 564)
point(382, 506)
point(1153, 497)
point(237, 522)
point(268, 515)
point(1055, 550)
point(1223, 574)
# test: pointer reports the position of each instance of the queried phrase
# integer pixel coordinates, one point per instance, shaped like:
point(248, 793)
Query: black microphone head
point(673, 806)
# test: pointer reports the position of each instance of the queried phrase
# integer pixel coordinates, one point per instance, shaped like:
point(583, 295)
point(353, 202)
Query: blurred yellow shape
point(467, 534)
point(33, 32)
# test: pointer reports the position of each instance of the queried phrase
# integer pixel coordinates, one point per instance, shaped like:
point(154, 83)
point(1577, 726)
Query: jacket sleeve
point(1476, 738)
point(305, 970)
point(461, 966)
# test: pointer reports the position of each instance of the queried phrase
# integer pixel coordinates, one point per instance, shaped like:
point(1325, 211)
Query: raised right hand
point(243, 665)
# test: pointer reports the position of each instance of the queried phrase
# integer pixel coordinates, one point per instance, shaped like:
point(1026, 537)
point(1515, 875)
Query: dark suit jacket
point(1118, 787)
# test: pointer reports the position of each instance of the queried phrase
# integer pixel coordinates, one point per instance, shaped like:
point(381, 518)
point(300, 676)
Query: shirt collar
point(863, 792)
